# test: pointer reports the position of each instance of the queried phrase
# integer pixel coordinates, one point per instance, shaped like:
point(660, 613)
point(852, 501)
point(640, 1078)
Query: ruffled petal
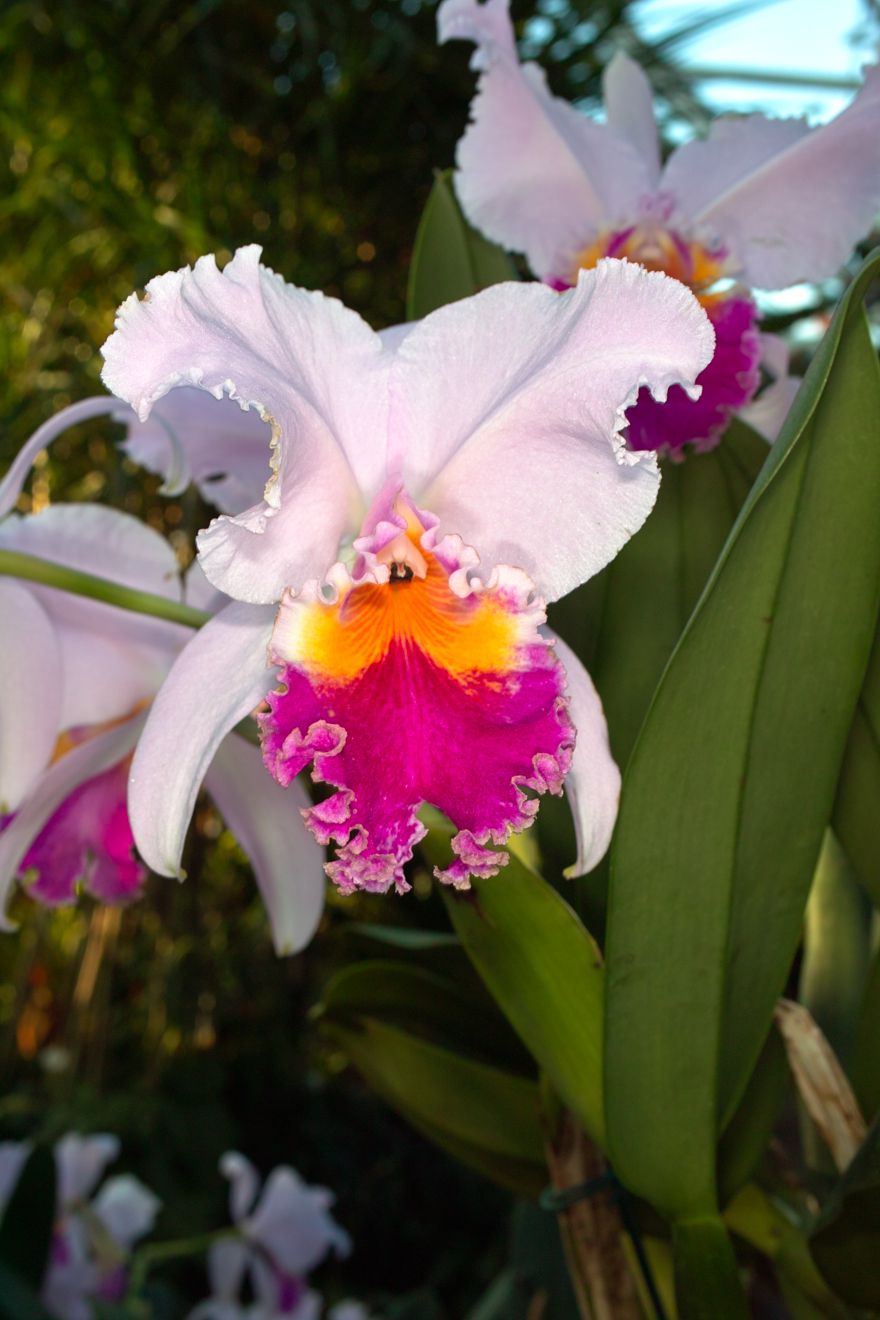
point(292, 1222)
point(788, 201)
point(64, 777)
point(629, 106)
point(511, 401)
point(190, 437)
point(12, 484)
point(31, 692)
point(81, 1162)
point(267, 821)
point(407, 692)
point(312, 368)
point(726, 385)
point(593, 782)
point(126, 1208)
point(533, 173)
point(218, 679)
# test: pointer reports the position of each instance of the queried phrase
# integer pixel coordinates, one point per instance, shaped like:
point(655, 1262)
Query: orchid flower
point(76, 677)
point(94, 1233)
point(766, 202)
point(428, 494)
point(283, 1233)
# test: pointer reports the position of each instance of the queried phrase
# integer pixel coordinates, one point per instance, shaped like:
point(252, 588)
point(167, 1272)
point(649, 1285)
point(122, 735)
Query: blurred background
point(137, 135)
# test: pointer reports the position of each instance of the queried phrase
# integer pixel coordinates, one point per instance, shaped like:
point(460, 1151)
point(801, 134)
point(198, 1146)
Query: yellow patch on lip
point(476, 635)
point(655, 248)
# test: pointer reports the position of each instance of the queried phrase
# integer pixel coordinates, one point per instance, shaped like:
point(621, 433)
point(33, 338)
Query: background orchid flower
point(94, 1232)
point(77, 676)
point(429, 495)
point(762, 201)
point(284, 1231)
point(184, 440)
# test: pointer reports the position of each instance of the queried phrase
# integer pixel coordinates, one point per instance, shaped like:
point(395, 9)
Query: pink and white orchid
point(283, 1233)
point(76, 677)
point(429, 493)
point(94, 1233)
point(766, 202)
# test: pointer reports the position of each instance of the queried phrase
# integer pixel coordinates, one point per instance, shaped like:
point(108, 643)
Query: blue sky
point(794, 36)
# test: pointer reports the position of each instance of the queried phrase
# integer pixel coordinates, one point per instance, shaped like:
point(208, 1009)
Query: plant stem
point(155, 1253)
point(34, 569)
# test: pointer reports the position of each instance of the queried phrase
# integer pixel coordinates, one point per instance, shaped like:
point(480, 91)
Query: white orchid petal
point(511, 399)
point(267, 821)
point(593, 782)
point(12, 484)
point(219, 678)
point(789, 201)
point(291, 355)
point(31, 692)
point(533, 173)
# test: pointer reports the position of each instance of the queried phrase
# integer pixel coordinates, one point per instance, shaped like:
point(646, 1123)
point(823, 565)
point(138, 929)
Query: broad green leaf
point(706, 1280)
point(846, 1241)
point(743, 1143)
point(427, 1004)
point(856, 820)
point(732, 780)
point(29, 1217)
point(465, 1105)
point(450, 259)
point(544, 970)
point(625, 622)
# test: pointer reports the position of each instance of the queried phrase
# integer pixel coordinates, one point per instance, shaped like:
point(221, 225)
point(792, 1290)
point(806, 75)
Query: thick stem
point(34, 569)
point(590, 1227)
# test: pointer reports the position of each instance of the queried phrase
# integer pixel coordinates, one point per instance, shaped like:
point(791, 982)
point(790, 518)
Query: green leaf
point(544, 970)
point(483, 1115)
point(866, 1057)
point(836, 952)
point(14, 563)
point(732, 781)
point(743, 1144)
point(706, 1281)
point(430, 1005)
point(450, 259)
point(846, 1241)
point(29, 1218)
point(18, 1300)
point(855, 818)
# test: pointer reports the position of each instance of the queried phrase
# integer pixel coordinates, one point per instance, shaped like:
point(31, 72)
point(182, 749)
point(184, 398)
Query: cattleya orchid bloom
point(94, 1233)
point(429, 492)
point(77, 677)
point(283, 1233)
point(764, 202)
